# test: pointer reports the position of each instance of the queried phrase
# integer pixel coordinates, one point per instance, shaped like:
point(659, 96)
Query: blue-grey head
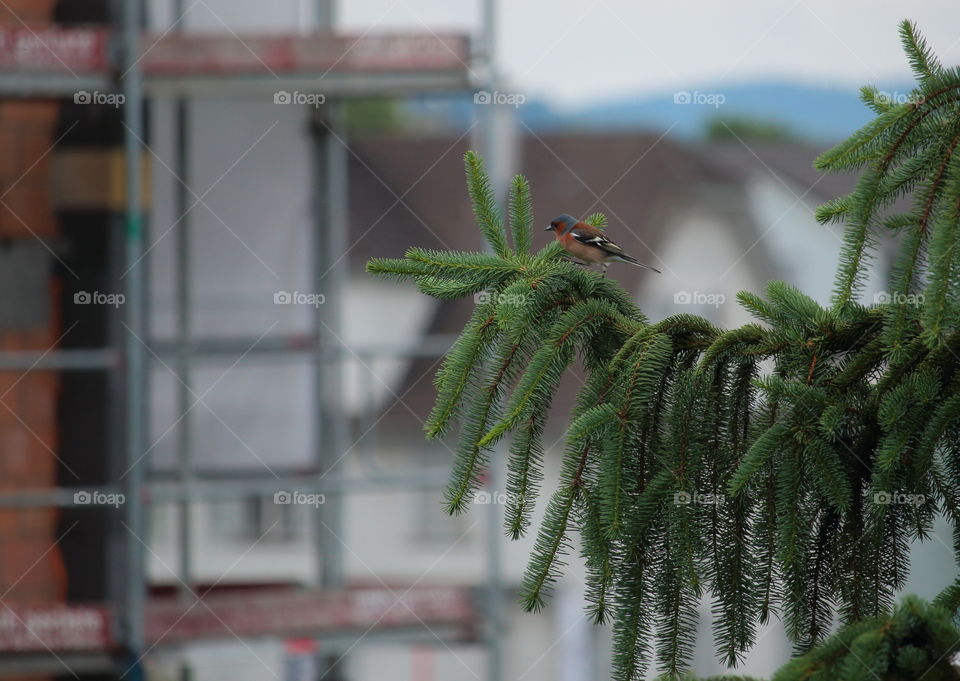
point(561, 224)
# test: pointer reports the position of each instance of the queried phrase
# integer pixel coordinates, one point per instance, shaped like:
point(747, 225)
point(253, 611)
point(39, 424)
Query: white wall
point(703, 270)
point(239, 15)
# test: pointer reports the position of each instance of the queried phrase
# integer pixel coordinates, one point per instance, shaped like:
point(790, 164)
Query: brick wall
point(30, 570)
point(27, 132)
point(29, 11)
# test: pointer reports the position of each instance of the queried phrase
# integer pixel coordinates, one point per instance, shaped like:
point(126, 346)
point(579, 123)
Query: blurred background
point(212, 458)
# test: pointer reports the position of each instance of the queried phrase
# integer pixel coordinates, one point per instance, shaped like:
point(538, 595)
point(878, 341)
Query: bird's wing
point(597, 240)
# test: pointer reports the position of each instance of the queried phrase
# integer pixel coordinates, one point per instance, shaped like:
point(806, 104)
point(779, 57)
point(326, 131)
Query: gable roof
point(411, 191)
point(788, 163)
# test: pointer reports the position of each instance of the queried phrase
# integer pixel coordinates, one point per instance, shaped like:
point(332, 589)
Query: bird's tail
point(633, 261)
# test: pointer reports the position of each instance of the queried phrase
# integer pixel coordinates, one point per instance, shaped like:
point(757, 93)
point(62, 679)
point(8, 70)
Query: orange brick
point(36, 114)
point(26, 462)
point(9, 523)
point(33, 399)
point(7, 378)
point(37, 522)
point(40, 339)
point(28, 11)
point(26, 171)
point(38, 585)
point(31, 569)
point(26, 213)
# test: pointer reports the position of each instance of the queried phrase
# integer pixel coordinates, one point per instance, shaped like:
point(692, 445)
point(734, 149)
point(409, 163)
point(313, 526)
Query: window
point(258, 518)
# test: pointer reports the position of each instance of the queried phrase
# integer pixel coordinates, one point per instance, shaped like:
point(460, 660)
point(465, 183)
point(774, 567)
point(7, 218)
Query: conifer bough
point(805, 425)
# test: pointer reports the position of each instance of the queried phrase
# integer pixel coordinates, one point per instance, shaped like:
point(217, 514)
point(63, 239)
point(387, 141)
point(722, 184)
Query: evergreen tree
point(805, 424)
point(916, 641)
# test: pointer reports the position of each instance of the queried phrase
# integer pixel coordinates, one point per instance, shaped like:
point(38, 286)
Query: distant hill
point(815, 113)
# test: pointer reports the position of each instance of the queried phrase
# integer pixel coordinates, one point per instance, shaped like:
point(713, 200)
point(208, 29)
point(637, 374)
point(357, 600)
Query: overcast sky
point(571, 51)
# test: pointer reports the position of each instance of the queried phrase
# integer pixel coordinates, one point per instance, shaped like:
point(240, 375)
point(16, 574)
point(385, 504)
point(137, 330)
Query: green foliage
point(372, 116)
point(748, 130)
point(782, 468)
point(916, 641)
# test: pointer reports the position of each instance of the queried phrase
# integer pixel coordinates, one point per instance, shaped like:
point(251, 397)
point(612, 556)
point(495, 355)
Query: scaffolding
point(181, 66)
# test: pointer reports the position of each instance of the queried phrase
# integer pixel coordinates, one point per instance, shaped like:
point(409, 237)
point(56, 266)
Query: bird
point(589, 244)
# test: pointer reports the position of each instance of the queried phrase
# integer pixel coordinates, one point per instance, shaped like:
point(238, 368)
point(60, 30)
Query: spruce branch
point(782, 468)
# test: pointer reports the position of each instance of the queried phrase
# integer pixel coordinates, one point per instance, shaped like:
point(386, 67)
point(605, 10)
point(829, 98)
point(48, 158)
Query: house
point(716, 218)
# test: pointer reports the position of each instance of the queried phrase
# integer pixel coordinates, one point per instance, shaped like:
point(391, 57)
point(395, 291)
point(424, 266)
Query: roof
point(411, 192)
point(789, 163)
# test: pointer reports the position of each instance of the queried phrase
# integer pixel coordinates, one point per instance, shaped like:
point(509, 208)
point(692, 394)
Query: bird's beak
point(549, 227)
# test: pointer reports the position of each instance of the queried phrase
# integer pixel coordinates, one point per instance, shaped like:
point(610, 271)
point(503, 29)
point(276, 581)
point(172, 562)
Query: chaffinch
point(589, 244)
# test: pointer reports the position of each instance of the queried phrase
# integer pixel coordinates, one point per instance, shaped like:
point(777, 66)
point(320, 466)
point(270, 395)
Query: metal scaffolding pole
point(135, 359)
point(229, 487)
point(496, 160)
point(329, 237)
point(326, 14)
point(182, 272)
point(184, 364)
point(329, 274)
